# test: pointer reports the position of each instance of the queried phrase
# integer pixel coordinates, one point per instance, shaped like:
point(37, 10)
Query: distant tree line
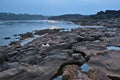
point(12, 16)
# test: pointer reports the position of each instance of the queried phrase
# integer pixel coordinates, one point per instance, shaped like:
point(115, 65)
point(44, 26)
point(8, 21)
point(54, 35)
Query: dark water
point(9, 28)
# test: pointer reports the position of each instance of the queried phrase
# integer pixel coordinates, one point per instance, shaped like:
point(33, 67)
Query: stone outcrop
point(108, 62)
point(26, 35)
point(47, 31)
point(3, 54)
point(98, 74)
point(72, 72)
point(44, 56)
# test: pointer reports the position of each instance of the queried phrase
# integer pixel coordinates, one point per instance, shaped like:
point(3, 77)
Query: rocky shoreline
point(63, 53)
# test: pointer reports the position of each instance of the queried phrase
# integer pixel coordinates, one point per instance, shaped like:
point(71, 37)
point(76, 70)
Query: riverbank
point(50, 55)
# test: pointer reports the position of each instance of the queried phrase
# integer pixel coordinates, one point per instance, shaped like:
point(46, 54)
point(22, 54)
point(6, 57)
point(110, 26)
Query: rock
point(26, 35)
point(6, 38)
point(23, 72)
point(89, 34)
point(90, 48)
point(13, 42)
point(14, 48)
point(108, 62)
point(3, 54)
point(12, 65)
point(113, 41)
point(30, 59)
point(44, 56)
point(15, 35)
point(12, 53)
point(83, 76)
point(45, 45)
point(77, 56)
point(72, 72)
point(98, 74)
point(9, 73)
point(28, 72)
point(49, 31)
point(8, 65)
point(54, 57)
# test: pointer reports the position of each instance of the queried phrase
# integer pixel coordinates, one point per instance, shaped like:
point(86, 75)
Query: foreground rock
point(98, 74)
point(45, 55)
point(39, 55)
point(109, 62)
point(73, 72)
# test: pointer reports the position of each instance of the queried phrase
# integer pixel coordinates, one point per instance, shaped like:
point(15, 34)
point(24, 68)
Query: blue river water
point(10, 28)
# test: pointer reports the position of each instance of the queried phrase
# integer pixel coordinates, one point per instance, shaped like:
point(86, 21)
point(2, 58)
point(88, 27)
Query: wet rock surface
point(49, 31)
point(26, 35)
point(42, 58)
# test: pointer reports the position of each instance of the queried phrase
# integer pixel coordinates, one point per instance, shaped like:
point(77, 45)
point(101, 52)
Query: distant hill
point(108, 14)
point(66, 17)
point(108, 18)
point(12, 16)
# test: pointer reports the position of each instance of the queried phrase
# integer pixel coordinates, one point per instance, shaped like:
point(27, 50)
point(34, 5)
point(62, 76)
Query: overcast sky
point(58, 7)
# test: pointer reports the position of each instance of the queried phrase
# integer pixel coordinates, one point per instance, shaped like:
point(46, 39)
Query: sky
point(58, 7)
